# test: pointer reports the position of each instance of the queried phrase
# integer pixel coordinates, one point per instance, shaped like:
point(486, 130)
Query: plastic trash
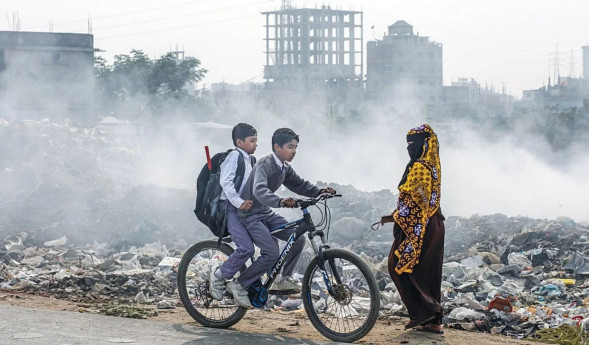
point(567, 282)
point(461, 314)
point(519, 260)
point(549, 290)
point(501, 304)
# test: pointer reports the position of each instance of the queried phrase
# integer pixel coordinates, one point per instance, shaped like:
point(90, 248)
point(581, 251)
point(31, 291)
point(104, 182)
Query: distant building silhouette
point(45, 74)
point(404, 65)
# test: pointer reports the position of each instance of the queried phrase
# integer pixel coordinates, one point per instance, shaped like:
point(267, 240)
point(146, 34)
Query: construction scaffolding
point(309, 47)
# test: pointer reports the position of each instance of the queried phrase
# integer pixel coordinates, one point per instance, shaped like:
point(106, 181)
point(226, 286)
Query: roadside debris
point(509, 286)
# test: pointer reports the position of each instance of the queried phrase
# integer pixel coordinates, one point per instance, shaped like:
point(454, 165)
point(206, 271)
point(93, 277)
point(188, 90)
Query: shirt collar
point(278, 162)
point(245, 154)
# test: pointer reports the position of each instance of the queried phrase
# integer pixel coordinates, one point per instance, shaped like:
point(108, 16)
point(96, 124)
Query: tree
point(133, 83)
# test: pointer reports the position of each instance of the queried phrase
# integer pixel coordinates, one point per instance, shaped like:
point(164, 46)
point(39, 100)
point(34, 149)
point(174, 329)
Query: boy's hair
point(282, 136)
point(242, 131)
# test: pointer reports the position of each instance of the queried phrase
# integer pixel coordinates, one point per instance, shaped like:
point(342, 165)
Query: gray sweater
point(265, 179)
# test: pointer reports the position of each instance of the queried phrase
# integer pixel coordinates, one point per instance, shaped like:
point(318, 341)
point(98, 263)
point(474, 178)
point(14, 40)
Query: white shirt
point(280, 164)
point(228, 170)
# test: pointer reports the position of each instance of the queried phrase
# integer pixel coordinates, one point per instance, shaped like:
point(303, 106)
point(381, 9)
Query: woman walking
point(415, 260)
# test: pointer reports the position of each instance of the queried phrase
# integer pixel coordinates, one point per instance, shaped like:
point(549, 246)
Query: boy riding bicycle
point(267, 175)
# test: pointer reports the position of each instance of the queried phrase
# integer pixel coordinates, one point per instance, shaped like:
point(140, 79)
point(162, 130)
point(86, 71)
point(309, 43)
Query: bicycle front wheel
point(193, 286)
point(350, 311)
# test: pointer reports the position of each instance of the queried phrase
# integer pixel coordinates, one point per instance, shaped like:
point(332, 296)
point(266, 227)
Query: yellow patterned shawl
point(419, 199)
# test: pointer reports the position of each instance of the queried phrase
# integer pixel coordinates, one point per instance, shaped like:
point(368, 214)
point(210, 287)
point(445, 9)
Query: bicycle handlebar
point(306, 202)
point(303, 203)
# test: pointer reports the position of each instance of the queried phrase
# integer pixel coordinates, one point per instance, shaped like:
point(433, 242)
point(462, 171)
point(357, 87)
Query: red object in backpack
point(209, 163)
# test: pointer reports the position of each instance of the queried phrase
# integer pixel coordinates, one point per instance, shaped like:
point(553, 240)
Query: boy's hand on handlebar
point(327, 190)
point(246, 205)
point(288, 202)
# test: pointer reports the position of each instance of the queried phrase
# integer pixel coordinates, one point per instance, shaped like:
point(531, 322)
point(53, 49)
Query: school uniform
point(268, 174)
point(230, 203)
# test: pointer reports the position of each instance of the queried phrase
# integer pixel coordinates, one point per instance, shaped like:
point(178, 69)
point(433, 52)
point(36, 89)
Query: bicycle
point(340, 293)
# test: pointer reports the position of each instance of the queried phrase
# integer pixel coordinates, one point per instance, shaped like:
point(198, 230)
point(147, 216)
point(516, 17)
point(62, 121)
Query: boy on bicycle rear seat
point(268, 174)
point(245, 139)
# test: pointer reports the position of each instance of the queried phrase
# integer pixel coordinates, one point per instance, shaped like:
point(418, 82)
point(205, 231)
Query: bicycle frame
point(303, 225)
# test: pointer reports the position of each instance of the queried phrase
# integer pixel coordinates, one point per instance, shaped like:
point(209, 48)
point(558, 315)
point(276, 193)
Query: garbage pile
point(521, 284)
point(524, 284)
point(91, 274)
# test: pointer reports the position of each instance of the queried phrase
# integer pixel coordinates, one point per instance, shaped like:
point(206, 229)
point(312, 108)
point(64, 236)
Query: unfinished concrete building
point(404, 65)
point(318, 50)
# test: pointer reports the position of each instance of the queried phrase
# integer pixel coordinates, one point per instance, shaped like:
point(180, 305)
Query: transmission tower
point(89, 25)
point(15, 25)
point(555, 64)
point(572, 69)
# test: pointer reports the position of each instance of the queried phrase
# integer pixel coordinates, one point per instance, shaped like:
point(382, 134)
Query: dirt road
point(291, 324)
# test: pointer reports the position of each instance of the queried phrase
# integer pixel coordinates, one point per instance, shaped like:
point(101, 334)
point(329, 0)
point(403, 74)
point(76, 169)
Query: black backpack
point(209, 191)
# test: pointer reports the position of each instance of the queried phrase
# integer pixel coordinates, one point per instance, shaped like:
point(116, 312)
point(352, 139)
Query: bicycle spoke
point(194, 286)
point(350, 311)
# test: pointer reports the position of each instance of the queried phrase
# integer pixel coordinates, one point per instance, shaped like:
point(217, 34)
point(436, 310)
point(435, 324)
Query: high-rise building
point(404, 66)
point(306, 47)
point(316, 53)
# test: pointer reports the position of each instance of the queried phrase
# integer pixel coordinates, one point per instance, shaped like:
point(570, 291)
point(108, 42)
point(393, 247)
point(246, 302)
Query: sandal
point(429, 330)
point(413, 323)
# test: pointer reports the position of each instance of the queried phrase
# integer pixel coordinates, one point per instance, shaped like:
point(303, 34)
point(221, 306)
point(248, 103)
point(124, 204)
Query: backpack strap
point(240, 172)
point(220, 239)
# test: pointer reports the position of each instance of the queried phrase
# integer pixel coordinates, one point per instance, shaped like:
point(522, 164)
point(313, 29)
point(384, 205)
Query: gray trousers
point(258, 226)
point(239, 236)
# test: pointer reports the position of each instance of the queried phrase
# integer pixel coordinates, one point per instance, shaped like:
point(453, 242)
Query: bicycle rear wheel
point(351, 311)
point(193, 286)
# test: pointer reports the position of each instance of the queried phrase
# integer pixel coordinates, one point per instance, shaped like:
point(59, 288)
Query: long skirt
point(420, 290)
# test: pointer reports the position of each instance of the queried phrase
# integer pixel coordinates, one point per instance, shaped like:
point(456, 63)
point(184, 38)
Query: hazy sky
point(498, 42)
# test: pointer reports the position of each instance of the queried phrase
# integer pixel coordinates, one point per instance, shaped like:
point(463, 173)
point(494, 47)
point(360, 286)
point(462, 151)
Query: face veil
point(415, 147)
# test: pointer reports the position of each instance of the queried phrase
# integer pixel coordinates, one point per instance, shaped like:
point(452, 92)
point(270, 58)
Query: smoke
point(138, 177)
point(485, 170)
point(510, 177)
